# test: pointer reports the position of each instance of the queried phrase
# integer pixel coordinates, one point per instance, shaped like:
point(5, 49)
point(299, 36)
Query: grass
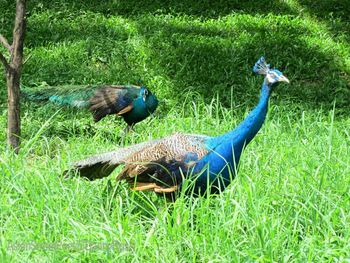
point(290, 200)
point(288, 203)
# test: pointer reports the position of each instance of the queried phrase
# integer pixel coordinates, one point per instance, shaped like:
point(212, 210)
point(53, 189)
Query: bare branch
point(4, 62)
point(5, 43)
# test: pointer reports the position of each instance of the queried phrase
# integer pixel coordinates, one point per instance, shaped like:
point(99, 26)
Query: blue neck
point(249, 127)
point(247, 130)
point(225, 150)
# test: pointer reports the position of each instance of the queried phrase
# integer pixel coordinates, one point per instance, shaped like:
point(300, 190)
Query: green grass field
point(291, 199)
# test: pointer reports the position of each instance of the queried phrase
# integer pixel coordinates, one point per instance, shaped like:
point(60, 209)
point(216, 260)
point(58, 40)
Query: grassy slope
point(291, 198)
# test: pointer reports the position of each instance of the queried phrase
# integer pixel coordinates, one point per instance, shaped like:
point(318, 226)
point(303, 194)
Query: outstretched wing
point(112, 100)
point(141, 160)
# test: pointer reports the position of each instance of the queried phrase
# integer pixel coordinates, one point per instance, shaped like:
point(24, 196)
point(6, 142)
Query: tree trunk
point(13, 76)
point(13, 106)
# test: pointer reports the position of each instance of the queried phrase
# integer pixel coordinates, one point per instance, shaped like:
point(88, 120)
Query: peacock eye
point(146, 92)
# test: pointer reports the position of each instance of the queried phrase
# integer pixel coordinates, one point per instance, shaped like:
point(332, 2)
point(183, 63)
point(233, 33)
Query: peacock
point(133, 103)
point(165, 165)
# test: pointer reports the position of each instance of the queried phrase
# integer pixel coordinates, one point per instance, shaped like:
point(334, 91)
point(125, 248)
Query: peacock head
point(149, 99)
point(272, 76)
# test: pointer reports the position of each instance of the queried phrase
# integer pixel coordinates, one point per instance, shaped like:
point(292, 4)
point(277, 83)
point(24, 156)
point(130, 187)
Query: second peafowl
point(133, 103)
point(165, 165)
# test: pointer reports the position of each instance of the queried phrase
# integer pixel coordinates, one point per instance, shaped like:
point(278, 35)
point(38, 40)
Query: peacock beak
point(283, 79)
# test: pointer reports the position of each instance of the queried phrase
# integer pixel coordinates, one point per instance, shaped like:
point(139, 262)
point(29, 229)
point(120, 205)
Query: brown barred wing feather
point(102, 165)
point(112, 100)
point(150, 165)
point(152, 168)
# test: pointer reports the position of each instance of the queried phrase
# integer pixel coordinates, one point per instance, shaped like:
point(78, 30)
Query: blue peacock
point(165, 165)
point(133, 103)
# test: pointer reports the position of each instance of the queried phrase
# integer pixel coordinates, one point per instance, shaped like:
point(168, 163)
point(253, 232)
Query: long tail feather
point(69, 95)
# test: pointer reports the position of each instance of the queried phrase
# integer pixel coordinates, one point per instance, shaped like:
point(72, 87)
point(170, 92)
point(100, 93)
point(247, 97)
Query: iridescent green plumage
point(133, 103)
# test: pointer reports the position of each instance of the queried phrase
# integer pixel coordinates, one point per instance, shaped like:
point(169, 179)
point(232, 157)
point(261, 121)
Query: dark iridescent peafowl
point(133, 103)
point(165, 165)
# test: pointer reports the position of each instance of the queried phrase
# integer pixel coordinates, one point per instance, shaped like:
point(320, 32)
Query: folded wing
point(112, 100)
point(150, 165)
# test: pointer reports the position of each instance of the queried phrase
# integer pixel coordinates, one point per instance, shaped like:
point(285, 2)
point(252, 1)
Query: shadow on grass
point(324, 8)
point(206, 8)
point(180, 49)
point(335, 14)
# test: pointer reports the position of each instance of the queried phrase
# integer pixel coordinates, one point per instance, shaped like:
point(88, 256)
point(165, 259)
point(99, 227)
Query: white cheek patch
point(270, 78)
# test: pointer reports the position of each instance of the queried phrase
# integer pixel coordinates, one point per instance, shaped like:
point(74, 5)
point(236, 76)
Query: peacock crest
point(261, 67)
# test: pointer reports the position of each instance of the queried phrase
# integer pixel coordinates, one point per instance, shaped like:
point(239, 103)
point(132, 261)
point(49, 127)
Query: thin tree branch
point(4, 62)
point(5, 43)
